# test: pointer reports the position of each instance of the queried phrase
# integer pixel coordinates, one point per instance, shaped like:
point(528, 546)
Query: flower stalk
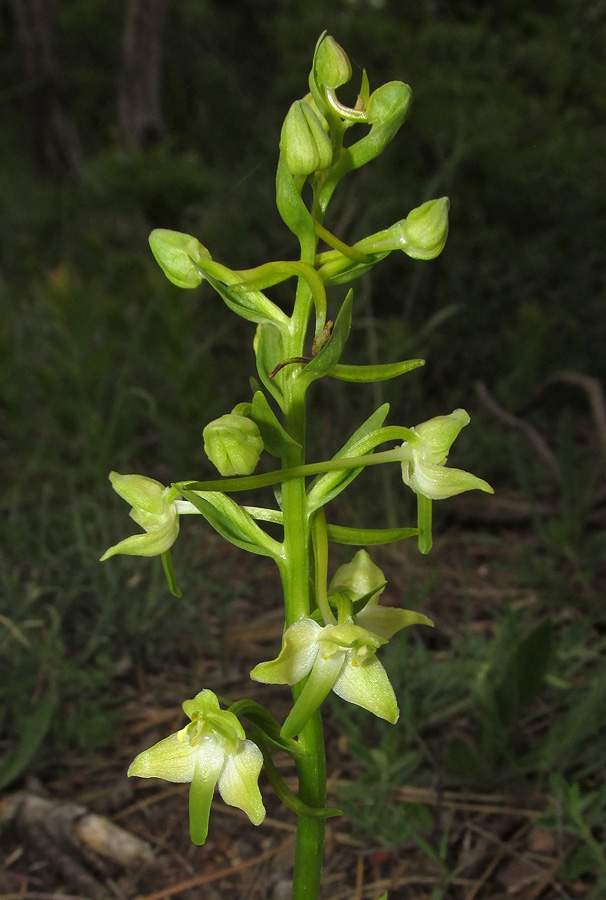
point(333, 632)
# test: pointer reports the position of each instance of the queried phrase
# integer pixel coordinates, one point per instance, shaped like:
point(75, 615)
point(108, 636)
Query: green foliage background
point(103, 364)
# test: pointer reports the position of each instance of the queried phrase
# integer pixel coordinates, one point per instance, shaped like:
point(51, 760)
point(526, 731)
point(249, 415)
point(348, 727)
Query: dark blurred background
point(121, 117)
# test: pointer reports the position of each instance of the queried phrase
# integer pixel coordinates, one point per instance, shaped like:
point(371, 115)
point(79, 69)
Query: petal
point(323, 676)
point(439, 434)
point(171, 759)
point(139, 490)
point(386, 620)
point(238, 782)
point(210, 760)
point(360, 576)
point(203, 703)
point(299, 650)
point(367, 685)
point(153, 543)
point(440, 482)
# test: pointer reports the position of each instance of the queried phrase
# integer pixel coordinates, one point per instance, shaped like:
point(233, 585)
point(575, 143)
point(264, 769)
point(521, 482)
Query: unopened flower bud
point(332, 63)
point(360, 576)
point(233, 444)
point(304, 143)
point(425, 229)
point(177, 255)
point(391, 100)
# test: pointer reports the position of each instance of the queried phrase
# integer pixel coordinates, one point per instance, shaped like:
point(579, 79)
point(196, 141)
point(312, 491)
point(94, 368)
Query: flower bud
point(177, 255)
point(233, 444)
point(332, 63)
point(304, 143)
point(391, 100)
point(425, 229)
point(360, 576)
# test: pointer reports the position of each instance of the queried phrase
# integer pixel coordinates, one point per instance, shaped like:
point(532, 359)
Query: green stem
point(296, 579)
point(249, 482)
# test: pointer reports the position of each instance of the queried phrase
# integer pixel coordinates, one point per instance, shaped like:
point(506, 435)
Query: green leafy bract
point(325, 487)
point(234, 523)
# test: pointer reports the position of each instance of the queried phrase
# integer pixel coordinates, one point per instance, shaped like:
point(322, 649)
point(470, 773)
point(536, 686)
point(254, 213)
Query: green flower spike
point(423, 466)
point(340, 658)
point(153, 508)
point(233, 444)
point(212, 751)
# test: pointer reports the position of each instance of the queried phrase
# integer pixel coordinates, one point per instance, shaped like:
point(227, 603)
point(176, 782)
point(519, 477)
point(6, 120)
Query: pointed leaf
point(331, 352)
point(233, 522)
point(370, 374)
point(290, 205)
point(325, 487)
point(368, 537)
point(276, 439)
point(269, 351)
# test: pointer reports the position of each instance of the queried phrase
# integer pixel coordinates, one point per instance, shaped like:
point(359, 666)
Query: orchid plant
point(333, 632)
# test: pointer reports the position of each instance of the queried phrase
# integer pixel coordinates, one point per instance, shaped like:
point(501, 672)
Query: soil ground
point(492, 845)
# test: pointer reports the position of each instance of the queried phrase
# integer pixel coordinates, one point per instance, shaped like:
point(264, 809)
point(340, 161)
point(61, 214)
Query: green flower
point(423, 464)
point(212, 751)
point(340, 658)
point(153, 508)
point(233, 444)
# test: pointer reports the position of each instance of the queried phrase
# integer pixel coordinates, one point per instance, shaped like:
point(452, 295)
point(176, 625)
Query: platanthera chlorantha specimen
point(334, 632)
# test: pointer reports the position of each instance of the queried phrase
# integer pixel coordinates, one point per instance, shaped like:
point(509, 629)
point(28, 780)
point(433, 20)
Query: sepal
point(360, 577)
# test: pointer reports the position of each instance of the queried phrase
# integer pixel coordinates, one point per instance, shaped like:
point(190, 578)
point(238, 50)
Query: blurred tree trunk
point(141, 122)
point(55, 138)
